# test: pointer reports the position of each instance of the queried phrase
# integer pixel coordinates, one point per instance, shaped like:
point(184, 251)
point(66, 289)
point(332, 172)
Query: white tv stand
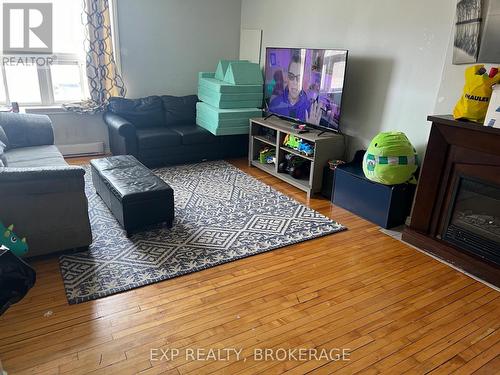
point(327, 146)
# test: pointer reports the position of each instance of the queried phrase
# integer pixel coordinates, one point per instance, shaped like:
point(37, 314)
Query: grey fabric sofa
point(162, 130)
point(40, 193)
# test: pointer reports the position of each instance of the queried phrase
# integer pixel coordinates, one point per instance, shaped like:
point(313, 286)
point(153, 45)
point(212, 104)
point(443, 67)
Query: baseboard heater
point(82, 149)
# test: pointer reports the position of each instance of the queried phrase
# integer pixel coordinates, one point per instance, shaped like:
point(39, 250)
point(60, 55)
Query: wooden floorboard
point(395, 309)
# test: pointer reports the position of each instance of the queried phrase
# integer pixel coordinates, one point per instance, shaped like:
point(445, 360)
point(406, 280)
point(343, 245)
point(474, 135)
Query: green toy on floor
point(11, 241)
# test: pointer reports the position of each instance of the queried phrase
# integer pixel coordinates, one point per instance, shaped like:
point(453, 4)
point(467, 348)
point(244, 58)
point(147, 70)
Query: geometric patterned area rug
point(221, 214)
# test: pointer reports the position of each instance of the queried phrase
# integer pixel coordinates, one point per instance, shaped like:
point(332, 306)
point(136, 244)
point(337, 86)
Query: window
point(22, 82)
point(66, 82)
point(60, 82)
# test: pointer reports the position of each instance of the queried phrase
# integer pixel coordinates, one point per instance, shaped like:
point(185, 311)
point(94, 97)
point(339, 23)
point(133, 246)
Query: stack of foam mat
point(230, 96)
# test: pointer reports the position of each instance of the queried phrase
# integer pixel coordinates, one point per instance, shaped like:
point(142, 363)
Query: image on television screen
point(305, 84)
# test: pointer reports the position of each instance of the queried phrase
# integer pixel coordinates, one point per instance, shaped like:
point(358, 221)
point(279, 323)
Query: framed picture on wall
point(467, 31)
point(489, 51)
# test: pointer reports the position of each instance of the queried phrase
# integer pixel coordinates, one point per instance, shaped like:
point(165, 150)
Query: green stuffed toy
point(390, 159)
point(9, 240)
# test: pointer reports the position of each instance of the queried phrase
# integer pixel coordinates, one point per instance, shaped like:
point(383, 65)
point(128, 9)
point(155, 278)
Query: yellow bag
point(475, 99)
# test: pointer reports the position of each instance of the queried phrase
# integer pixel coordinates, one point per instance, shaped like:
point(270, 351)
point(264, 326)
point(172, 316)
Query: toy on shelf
point(306, 148)
point(267, 155)
point(300, 128)
point(295, 166)
point(291, 141)
point(270, 160)
point(390, 159)
point(299, 145)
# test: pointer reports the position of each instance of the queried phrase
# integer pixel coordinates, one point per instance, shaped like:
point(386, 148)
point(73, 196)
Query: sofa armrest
point(118, 123)
point(27, 130)
point(47, 205)
point(122, 137)
point(42, 180)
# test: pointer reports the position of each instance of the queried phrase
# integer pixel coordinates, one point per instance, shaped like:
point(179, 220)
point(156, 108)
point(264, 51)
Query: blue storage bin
point(386, 206)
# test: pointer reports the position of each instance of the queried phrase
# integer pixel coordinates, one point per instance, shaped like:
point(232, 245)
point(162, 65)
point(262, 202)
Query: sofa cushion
point(194, 134)
point(26, 130)
point(157, 138)
point(36, 156)
point(3, 138)
point(142, 113)
point(179, 110)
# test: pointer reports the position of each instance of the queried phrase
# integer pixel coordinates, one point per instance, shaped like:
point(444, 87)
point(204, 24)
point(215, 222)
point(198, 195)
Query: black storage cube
point(387, 206)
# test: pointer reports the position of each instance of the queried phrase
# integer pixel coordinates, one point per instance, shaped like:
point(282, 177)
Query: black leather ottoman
point(135, 196)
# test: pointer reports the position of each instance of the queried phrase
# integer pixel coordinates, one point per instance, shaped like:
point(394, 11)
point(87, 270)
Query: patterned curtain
point(102, 74)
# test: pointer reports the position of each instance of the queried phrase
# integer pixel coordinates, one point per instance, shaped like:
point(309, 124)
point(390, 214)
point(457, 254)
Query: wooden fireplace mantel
point(453, 146)
point(450, 121)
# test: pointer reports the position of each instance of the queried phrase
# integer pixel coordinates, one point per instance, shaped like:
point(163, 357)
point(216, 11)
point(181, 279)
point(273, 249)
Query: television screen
point(305, 85)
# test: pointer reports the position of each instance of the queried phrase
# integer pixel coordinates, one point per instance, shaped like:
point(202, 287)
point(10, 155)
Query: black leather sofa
point(162, 130)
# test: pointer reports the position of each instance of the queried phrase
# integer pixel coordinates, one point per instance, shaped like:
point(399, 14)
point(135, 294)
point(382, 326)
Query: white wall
point(396, 54)
point(165, 43)
point(74, 128)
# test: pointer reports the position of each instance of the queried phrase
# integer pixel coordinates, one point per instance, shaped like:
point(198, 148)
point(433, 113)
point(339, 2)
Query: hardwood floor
point(392, 308)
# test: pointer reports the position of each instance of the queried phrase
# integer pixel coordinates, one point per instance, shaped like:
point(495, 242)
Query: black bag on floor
point(16, 278)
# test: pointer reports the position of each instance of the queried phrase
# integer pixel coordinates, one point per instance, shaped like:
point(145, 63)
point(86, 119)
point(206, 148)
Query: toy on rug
point(299, 145)
point(9, 240)
point(390, 159)
point(295, 166)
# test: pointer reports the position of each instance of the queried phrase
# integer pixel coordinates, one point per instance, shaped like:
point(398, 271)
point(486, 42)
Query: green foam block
point(214, 129)
point(206, 75)
point(217, 114)
point(244, 73)
point(224, 100)
point(225, 121)
point(222, 66)
point(208, 81)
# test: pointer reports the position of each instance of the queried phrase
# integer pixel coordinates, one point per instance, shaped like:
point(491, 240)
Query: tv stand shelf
point(327, 146)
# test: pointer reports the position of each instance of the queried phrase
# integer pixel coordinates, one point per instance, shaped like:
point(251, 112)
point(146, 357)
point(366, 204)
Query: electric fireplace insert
point(474, 218)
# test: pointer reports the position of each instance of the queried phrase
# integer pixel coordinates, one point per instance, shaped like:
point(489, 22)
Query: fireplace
point(473, 222)
point(456, 212)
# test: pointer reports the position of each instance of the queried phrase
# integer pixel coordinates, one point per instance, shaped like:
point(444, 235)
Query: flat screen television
point(305, 85)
